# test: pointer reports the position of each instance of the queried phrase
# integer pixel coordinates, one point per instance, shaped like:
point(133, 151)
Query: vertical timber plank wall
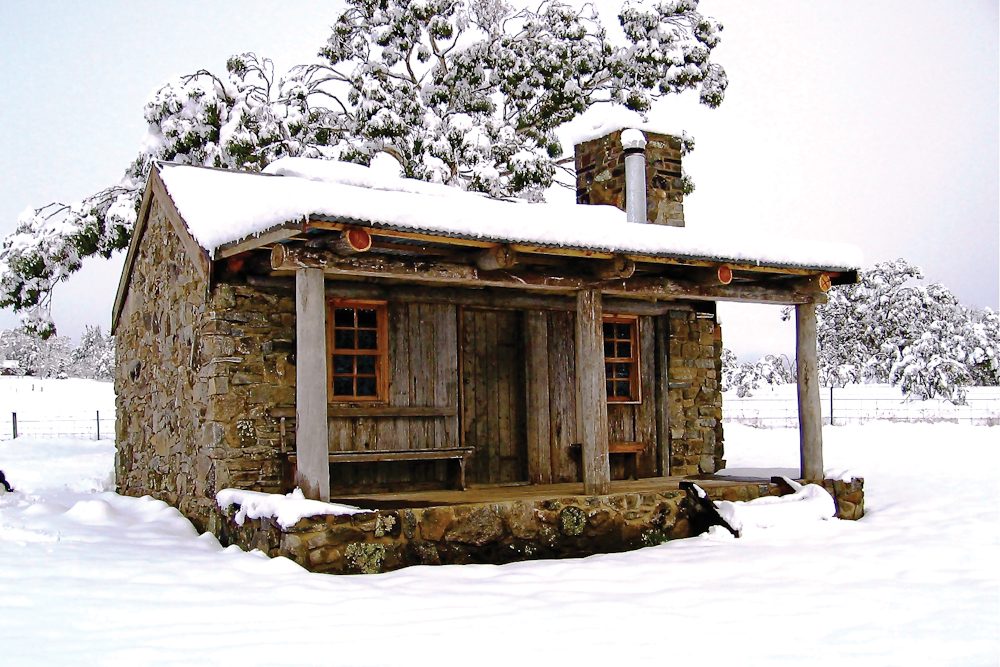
point(662, 393)
point(536, 373)
point(494, 404)
point(562, 396)
point(645, 412)
point(423, 367)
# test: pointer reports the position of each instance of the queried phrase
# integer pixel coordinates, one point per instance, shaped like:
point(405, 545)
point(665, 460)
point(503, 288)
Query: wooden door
point(493, 401)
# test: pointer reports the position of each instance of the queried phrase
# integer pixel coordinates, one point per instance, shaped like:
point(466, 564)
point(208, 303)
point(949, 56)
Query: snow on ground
point(54, 407)
point(88, 577)
point(55, 397)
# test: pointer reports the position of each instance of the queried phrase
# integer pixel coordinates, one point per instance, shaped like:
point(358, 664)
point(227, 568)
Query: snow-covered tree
point(465, 92)
point(890, 328)
point(35, 356)
point(55, 356)
point(242, 121)
point(746, 378)
point(94, 357)
point(982, 339)
point(21, 347)
point(729, 366)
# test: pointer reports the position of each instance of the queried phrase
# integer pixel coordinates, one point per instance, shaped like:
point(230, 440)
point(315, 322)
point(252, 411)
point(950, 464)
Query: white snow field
point(88, 577)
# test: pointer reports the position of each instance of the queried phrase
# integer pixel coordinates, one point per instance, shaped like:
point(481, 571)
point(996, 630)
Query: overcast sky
point(869, 122)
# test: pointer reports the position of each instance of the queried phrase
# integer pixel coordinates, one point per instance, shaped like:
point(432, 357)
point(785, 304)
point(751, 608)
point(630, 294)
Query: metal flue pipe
point(634, 147)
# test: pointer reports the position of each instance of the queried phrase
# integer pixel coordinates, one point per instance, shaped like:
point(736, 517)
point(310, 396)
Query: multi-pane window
point(359, 350)
point(621, 358)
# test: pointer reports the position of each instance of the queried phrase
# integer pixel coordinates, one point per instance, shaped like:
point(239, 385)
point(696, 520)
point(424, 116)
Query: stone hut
point(325, 327)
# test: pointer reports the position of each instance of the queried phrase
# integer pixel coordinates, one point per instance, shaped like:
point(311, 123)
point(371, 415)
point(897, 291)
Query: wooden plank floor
point(501, 493)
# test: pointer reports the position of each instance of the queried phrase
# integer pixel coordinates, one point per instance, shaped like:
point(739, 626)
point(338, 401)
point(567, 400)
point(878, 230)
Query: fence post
point(13, 420)
point(98, 424)
point(831, 404)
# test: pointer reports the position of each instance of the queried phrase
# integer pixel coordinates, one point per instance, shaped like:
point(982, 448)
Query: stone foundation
point(498, 532)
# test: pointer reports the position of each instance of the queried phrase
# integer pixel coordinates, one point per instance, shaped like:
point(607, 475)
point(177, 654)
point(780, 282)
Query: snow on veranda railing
point(857, 404)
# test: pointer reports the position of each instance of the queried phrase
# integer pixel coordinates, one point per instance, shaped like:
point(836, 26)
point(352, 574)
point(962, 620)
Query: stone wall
point(161, 398)
point(196, 377)
point(695, 395)
point(600, 176)
point(248, 362)
point(498, 532)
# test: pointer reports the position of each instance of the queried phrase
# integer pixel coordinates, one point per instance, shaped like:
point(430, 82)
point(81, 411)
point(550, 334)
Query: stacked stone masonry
point(196, 378)
point(695, 395)
point(161, 396)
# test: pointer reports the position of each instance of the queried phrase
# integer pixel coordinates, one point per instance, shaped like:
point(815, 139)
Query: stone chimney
point(600, 175)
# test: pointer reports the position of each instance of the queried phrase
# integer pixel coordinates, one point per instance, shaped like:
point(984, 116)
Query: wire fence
point(96, 426)
point(861, 404)
point(779, 408)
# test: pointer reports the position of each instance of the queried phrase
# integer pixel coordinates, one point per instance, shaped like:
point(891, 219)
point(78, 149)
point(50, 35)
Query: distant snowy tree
point(982, 339)
point(465, 92)
point(94, 357)
point(729, 366)
point(56, 357)
point(21, 347)
point(777, 369)
point(746, 378)
point(890, 328)
point(35, 356)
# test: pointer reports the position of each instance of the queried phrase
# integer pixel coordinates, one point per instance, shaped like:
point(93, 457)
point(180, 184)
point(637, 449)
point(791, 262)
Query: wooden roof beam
point(290, 258)
point(668, 288)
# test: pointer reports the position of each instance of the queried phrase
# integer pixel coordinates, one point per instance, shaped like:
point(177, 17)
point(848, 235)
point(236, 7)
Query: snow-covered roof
point(221, 207)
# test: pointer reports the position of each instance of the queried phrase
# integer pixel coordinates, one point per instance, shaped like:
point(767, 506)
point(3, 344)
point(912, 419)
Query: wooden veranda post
point(311, 428)
point(810, 417)
point(591, 395)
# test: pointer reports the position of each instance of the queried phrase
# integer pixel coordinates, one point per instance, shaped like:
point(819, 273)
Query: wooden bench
point(632, 449)
point(459, 454)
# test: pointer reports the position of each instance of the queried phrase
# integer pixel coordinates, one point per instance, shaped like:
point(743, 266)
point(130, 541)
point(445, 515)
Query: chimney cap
point(633, 139)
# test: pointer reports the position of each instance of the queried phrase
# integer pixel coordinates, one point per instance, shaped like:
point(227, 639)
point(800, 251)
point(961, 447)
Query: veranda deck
point(479, 494)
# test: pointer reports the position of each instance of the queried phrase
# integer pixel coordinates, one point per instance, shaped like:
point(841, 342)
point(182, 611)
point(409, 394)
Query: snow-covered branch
point(464, 92)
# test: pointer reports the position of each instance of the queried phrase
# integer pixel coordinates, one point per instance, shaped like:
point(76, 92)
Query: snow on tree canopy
point(220, 207)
